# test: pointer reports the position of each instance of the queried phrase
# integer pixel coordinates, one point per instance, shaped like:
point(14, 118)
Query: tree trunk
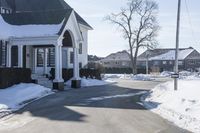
point(135, 62)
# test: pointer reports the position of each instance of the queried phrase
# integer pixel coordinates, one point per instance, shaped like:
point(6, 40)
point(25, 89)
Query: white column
point(76, 64)
point(8, 60)
point(57, 74)
point(60, 61)
point(45, 60)
point(34, 59)
point(20, 56)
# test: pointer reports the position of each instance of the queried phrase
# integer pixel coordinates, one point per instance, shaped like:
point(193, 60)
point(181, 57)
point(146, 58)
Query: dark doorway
point(67, 41)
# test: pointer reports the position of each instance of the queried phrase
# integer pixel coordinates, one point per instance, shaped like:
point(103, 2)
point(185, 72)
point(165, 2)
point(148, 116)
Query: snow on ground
point(91, 82)
point(142, 77)
point(17, 96)
point(181, 107)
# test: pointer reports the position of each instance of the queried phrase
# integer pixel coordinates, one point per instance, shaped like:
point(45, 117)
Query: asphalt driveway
point(104, 109)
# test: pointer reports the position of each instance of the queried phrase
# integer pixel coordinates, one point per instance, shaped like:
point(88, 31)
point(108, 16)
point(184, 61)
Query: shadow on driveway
point(56, 106)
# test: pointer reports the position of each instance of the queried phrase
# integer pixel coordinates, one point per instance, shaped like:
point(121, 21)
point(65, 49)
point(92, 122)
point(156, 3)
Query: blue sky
point(105, 39)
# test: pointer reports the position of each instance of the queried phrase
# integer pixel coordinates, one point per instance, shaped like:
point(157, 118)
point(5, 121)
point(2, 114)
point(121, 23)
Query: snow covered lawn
point(16, 97)
point(181, 107)
point(91, 82)
point(142, 77)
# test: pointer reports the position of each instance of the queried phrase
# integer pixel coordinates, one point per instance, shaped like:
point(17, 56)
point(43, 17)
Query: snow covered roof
point(32, 24)
point(122, 55)
point(170, 55)
point(19, 6)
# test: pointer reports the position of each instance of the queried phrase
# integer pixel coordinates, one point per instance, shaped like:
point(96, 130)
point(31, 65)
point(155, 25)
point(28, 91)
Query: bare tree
point(138, 24)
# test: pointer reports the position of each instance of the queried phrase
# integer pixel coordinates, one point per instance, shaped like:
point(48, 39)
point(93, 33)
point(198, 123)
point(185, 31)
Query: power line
point(190, 22)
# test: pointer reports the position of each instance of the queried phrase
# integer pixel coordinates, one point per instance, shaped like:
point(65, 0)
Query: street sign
point(175, 76)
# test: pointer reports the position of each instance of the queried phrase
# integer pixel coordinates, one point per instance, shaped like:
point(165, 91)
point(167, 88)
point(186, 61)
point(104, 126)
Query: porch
point(40, 54)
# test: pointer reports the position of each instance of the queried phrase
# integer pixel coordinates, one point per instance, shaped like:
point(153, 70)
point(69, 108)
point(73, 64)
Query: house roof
point(4, 4)
point(30, 6)
point(122, 55)
point(165, 54)
point(30, 30)
point(36, 18)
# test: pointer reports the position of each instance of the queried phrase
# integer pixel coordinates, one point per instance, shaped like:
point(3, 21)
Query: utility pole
point(177, 45)
point(147, 60)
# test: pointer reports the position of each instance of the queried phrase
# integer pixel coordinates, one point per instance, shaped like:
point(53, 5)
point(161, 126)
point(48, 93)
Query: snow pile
point(91, 82)
point(117, 76)
point(143, 77)
point(181, 107)
point(16, 97)
point(166, 74)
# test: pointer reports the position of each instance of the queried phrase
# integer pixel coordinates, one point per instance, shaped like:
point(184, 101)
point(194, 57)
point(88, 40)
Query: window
point(7, 11)
point(156, 63)
point(3, 10)
point(191, 62)
point(170, 62)
point(40, 57)
point(180, 63)
point(80, 65)
point(106, 63)
point(80, 48)
point(71, 57)
point(164, 62)
point(51, 57)
point(3, 53)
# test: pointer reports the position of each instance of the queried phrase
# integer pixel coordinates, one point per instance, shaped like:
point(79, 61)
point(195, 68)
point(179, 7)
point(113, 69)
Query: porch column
point(60, 61)
point(45, 61)
point(34, 59)
point(20, 56)
point(58, 82)
point(76, 82)
point(8, 60)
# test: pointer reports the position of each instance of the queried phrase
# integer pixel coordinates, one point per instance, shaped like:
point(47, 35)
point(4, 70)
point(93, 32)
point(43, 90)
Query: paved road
point(74, 111)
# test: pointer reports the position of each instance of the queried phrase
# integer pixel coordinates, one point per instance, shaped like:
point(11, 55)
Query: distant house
point(164, 59)
point(117, 60)
point(43, 34)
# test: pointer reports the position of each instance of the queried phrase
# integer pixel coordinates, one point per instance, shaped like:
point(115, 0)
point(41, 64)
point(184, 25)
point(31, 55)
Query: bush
point(67, 74)
point(12, 76)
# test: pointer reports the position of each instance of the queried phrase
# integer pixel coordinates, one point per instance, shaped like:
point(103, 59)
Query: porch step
point(42, 80)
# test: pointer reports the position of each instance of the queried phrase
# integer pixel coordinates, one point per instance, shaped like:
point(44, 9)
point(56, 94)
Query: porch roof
point(33, 24)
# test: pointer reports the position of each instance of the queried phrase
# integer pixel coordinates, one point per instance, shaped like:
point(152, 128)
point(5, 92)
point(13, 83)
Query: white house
point(41, 34)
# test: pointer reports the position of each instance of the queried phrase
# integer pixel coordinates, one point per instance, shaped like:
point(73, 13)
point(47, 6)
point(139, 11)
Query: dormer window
point(5, 11)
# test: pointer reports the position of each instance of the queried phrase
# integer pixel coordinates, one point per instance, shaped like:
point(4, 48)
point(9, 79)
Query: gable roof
point(29, 6)
point(122, 55)
point(36, 18)
point(3, 3)
point(166, 54)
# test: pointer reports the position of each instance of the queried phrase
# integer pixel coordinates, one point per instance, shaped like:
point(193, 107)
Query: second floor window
point(80, 48)
point(3, 53)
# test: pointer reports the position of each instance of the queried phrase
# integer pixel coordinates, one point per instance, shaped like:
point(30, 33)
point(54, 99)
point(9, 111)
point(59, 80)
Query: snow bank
point(16, 97)
point(143, 77)
point(117, 76)
point(181, 107)
point(166, 74)
point(91, 82)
